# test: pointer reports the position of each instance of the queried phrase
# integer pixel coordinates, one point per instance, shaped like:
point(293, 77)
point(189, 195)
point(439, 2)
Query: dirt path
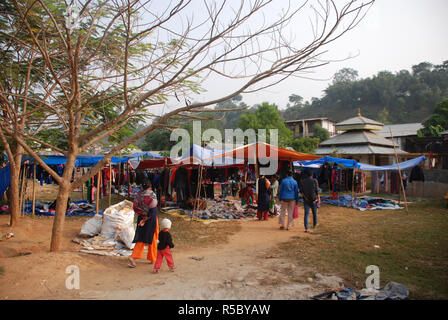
point(247, 267)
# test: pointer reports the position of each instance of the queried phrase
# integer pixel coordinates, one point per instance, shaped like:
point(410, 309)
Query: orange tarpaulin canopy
point(261, 150)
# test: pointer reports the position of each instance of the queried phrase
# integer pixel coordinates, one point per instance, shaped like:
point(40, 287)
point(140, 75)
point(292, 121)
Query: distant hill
point(400, 97)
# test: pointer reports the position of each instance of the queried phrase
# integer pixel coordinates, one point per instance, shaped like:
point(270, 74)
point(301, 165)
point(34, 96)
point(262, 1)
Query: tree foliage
point(400, 97)
point(321, 133)
point(438, 122)
point(267, 116)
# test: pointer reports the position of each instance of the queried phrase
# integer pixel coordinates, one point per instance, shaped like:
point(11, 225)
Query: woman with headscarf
point(145, 206)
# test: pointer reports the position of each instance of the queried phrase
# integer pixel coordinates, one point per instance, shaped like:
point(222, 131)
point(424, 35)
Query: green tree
point(306, 145)
point(157, 140)
point(267, 116)
point(321, 133)
point(345, 75)
point(438, 122)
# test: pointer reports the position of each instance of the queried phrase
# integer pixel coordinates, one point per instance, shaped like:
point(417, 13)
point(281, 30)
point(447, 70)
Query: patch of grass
point(413, 247)
point(2, 270)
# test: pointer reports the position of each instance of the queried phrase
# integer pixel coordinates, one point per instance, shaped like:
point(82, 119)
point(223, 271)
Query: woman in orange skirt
point(146, 234)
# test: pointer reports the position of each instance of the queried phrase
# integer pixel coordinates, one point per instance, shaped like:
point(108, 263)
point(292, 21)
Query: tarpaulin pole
point(110, 181)
point(399, 172)
point(353, 184)
point(98, 178)
point(34, 188)
point(21, 187)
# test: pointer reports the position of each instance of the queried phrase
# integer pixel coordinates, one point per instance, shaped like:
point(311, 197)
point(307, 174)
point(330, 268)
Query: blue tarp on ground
point(5, 179)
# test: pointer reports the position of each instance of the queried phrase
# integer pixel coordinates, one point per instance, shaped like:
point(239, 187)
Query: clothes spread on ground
point(217, 209)
point(74, 209)
point(363, 203)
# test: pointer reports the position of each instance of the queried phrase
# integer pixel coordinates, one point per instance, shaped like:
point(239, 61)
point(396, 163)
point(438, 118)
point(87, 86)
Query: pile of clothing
point(364, 203)
point(74, 209)
point(221, 209)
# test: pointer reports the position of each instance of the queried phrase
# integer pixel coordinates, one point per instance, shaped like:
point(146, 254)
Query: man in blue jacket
point(289, 197)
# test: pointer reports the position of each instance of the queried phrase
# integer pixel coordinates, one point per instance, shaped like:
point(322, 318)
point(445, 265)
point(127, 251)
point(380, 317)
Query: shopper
point(289, 197)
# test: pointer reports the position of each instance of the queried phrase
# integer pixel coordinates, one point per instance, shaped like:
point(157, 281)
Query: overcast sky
point(395, 35)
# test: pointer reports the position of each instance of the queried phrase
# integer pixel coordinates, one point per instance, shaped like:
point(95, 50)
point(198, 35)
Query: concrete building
point(305, 127)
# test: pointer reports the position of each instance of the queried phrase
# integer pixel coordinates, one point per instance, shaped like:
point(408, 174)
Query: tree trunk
point(13, 198)
point(14, 190)
point(61, 204)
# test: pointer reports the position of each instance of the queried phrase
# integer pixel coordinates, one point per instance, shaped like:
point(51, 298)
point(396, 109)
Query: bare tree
point(139, 55)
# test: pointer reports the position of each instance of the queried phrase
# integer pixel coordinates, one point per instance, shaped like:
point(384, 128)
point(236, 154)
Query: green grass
point(413, 247)
point(2, 270)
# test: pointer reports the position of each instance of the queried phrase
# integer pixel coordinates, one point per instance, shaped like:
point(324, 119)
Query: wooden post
point(353, 184)
point(129, 181)
point(399, 172)
point(98, 176)
point(110, 181)
point(34, 188)
point(21, 189)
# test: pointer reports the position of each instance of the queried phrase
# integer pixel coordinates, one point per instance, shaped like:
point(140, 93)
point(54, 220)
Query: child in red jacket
point(165, 242)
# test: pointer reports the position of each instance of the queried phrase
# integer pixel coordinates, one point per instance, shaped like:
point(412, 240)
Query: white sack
point(126, 236)
point(92, 227)
point(117, 218)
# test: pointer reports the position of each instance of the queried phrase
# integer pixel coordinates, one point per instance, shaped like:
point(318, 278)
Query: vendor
point(246, 194)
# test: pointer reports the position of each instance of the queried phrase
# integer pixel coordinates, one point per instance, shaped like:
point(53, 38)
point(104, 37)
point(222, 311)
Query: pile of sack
point(115, 226)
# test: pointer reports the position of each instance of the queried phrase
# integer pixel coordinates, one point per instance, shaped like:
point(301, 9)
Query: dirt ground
point(248, 266)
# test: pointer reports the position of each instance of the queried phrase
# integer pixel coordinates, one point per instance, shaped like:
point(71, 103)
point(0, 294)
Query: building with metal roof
point(358, 141)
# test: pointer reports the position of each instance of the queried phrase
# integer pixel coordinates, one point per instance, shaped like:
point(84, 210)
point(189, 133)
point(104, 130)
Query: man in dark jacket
point(309, 188)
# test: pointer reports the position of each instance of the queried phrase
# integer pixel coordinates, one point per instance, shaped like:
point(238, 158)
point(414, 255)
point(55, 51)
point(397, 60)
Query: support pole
point(399, 172)
point(98, 176)
point(353, 184)
point(110, 181)
point(34, 188)
point(21, 189)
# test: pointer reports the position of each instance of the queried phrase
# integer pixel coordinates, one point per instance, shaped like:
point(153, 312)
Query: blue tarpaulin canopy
point(81, 161)
point(403, 165)
point(349, 163)
point(346, 163)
